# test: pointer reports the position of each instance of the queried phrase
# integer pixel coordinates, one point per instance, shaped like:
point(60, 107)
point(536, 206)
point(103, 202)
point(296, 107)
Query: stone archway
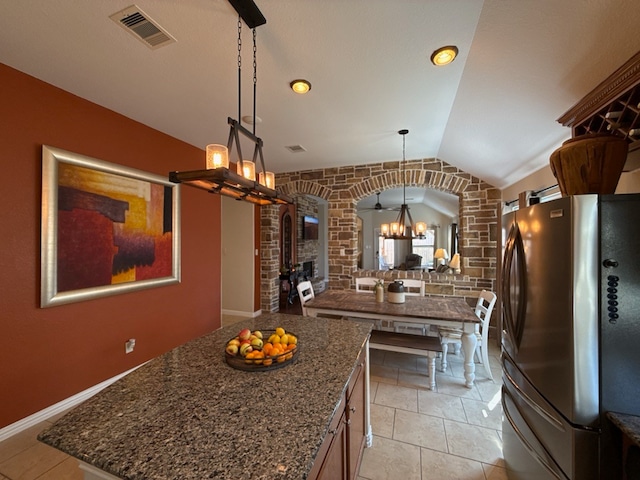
point(343, 187)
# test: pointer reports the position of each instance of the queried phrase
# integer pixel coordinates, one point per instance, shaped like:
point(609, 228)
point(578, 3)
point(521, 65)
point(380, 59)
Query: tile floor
point(451, 433)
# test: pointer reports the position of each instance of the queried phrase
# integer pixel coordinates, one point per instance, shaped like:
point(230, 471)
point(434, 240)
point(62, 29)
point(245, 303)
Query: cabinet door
point(334, 466)
point(356, 422)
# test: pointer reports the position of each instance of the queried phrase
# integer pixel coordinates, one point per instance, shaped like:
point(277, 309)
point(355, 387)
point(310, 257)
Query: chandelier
point(217, 177)
point(404, 222)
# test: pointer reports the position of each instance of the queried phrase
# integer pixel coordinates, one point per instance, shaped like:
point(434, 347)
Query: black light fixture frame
point(222, 180)
point(404, 208)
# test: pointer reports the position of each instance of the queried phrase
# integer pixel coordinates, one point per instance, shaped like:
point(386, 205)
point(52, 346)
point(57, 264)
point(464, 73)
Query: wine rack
point(612, 107)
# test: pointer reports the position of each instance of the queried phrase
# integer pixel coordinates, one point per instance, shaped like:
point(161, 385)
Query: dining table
point(446, 311)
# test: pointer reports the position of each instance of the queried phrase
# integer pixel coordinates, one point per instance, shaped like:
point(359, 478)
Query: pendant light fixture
point(217, 177)
point(399, 228)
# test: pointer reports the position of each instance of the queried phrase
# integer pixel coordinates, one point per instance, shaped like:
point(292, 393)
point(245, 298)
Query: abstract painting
point(106, 229)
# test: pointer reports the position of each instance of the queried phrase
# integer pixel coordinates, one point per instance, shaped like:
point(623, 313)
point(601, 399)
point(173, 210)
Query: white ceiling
point(491, 113)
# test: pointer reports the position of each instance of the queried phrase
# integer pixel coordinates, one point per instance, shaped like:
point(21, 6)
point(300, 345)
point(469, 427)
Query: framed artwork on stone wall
point(106, 229)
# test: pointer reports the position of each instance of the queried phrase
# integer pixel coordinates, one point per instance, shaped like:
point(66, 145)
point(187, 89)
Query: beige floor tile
point(397, 397)
point(455, 386)
point(382, 420)
point(67, 470)
point(418, 379)
point(482, 413)
point(32, 462)
point(21, 441)
point(230, 319)
point(390, 460)
point(473, 442)
point(402, 361)
point(422, 430)
point(441, 405)
point(382, 374)
point(489, 391)
point(443, 466)
point(492, 472)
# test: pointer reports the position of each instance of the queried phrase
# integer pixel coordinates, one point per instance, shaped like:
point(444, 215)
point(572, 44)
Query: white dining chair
point(305, 292)
point(366, 284)
point(416, 288)
point(484, 307)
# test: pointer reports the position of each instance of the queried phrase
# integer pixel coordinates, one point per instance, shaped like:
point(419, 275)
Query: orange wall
point(47, 355)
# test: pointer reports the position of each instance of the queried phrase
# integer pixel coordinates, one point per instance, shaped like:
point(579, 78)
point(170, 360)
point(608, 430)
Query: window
point(425, 247)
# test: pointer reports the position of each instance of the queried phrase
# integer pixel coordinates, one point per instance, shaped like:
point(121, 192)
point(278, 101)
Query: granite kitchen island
point(188, 415)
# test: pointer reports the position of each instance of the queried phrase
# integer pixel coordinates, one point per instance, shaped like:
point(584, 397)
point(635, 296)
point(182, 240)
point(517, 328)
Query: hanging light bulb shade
point(403, 227)
point(267, 179)
point(217, 156)
point(217, 178)
point(247, 169)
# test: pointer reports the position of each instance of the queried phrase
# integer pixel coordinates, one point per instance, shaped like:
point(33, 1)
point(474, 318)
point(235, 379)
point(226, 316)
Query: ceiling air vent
point(296, 148)
point(141, 26)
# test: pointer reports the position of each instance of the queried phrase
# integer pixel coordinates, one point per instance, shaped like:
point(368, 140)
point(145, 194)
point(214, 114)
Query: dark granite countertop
point(188, 415)
point(628, 424)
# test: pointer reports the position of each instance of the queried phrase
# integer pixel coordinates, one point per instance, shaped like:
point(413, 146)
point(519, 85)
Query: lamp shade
point(267, 179)
point(421, 228)
point(217, 156)
point(247, 169)
point(384, 229)
point(441, 254)
point(455, 262)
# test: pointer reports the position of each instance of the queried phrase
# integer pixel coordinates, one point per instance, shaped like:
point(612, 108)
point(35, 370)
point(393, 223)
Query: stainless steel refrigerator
point(571, 334)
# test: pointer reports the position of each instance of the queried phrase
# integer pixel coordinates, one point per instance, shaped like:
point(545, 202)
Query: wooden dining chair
point(366, 284)
point(305, 292)
point(484, 307)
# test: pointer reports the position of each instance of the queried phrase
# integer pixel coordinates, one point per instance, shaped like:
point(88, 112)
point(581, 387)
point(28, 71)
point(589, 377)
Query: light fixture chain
point(239, 68)
point(255, 78)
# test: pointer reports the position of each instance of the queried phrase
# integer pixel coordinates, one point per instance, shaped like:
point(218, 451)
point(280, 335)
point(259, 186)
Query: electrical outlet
point(129, 345)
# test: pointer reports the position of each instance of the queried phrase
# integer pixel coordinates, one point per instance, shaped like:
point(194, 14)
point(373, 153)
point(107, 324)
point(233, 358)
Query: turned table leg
point(469, 342)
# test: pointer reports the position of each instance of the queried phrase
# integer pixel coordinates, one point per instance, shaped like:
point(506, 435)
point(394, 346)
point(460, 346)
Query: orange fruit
point(291, 347)
point(281, 359)
point(288, 356)
point(267, 361)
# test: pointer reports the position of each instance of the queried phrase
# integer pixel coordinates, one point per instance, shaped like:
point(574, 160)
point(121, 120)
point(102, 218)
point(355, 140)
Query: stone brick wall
point(343, 187)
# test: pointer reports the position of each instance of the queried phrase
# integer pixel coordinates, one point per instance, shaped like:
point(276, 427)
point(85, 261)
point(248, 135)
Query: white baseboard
point(239, 313)
point(59, 407)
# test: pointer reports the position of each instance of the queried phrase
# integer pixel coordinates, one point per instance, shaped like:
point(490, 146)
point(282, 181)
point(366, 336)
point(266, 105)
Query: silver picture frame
point(87, 203)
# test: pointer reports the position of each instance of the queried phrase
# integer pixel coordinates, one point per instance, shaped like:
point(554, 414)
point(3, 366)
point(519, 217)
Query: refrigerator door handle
point(546, 463)
point(534, 406)
point(514, 252)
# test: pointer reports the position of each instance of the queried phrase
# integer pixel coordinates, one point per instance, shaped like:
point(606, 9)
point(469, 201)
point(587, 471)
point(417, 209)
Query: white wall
point(629, 183)
point(237, 268)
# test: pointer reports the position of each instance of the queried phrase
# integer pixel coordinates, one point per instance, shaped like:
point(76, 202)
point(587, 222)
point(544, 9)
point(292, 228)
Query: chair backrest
point(305, 292)
point(413, 287)
point(413, 260)
point(366, 284)
point(484, 307)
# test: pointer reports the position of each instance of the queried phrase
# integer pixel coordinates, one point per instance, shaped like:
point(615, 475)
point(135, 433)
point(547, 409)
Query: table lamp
point(454, 264)
point(441, 255)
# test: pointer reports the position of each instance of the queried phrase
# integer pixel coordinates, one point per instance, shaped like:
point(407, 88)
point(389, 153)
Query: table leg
point(469, 342)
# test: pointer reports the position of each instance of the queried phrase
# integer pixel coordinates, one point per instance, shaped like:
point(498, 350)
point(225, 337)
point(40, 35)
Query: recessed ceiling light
point(444, 55)
point(300, 86)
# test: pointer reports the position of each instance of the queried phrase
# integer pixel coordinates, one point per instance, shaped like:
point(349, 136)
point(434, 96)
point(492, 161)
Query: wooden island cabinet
point(347, 432)
point(189, 415)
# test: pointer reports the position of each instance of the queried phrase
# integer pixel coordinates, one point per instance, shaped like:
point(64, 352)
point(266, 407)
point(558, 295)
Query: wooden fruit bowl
point(271, 362)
